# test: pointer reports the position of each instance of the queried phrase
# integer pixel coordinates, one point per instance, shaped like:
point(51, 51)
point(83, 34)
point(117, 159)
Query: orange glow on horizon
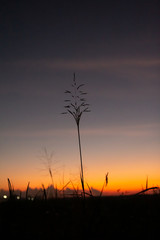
point(114, 187)
point(125, 174)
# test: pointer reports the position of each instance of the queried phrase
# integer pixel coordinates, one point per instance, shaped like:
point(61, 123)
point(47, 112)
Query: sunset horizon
point(80, 119)
point(112, 51)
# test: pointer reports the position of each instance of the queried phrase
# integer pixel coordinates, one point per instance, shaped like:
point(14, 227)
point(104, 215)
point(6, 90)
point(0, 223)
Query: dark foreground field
point(132, 217)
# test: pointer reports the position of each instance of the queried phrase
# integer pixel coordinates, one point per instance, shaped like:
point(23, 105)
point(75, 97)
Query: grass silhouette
point(108, 217)
point(11, 189)
point(76, 106)
point(27, 190)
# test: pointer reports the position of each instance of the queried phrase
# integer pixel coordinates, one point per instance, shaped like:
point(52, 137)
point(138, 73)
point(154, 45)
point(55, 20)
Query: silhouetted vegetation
point(76, 106)
point(60, 217)
point(130, 217)
point(11, 189)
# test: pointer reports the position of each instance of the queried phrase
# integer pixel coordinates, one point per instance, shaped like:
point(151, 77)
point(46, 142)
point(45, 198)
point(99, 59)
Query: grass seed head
point(76, 105)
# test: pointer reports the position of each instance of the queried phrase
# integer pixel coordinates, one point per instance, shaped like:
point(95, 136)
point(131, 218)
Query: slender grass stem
point(81, 162)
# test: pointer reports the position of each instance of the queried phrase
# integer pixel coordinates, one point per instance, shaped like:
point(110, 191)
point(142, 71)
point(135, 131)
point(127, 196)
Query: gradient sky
point(113, 47)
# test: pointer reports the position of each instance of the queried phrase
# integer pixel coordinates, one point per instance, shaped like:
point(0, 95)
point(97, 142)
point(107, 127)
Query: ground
point(127, 217)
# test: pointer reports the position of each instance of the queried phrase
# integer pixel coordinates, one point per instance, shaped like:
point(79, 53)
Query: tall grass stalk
point(105, 184)
point(11, 189)
point(76, 106)
point(44, 192)
point(27, 190)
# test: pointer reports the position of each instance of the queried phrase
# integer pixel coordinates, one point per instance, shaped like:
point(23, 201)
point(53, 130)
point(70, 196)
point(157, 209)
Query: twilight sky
point(113, 47)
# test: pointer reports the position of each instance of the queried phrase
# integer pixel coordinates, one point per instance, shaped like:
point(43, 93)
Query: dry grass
point(76, 106)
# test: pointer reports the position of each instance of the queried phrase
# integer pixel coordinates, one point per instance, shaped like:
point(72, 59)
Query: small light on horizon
point(5, 196)
point(18, 197)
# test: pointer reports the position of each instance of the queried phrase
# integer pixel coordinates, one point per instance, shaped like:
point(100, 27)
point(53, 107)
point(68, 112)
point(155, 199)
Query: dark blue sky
point(113, 46)
point(76, 29)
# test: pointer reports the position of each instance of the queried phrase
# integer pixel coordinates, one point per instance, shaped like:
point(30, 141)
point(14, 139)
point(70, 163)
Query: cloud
point(143, 130)
point(100, 63)
point(85, 64)
point(128, 131)
point(95, 192)
point(36, 133)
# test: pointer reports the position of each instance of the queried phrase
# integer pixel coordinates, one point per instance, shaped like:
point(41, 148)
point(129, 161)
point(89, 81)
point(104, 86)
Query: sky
point(113, 47)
